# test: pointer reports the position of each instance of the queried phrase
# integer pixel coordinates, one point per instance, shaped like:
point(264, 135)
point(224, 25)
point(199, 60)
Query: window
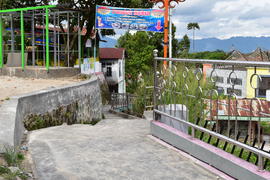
point(235, 81)
point(109, 71)
point(219, 79)
point(263, 86)
point(238, 92)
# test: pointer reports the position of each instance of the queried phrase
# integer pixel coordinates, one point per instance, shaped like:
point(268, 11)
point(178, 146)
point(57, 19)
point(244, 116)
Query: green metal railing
point(21, 10)
point(1, 43)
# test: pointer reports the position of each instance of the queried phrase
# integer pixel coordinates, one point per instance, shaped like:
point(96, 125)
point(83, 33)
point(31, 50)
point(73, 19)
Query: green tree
point(193, 26)
point(139, 48)
point(218, 54)
point(184, 46)
point(11, 4)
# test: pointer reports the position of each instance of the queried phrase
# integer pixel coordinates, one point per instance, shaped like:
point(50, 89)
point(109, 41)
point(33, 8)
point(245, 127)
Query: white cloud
point(223, 18)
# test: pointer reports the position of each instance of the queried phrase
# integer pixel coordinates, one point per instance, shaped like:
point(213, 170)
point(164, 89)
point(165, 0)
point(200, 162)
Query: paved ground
point(13, 86)
point(115, 148)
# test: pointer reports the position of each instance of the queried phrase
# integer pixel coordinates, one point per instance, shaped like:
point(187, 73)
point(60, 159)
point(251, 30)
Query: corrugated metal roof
point(240, 107)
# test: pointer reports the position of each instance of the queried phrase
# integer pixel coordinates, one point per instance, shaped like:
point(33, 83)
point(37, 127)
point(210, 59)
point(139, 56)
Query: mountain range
point(243, 44)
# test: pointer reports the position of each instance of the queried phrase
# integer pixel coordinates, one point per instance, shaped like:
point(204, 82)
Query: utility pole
point(166, 4)
point(170, 38)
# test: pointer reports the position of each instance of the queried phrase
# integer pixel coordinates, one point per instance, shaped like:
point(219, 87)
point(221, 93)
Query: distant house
point(242, 87)
point(113, 67)
point(248, 114)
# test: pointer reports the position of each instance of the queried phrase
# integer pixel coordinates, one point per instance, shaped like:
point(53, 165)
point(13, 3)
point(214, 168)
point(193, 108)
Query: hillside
point(244, 44)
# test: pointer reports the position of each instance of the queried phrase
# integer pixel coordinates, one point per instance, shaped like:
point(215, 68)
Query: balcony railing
point(234, 122)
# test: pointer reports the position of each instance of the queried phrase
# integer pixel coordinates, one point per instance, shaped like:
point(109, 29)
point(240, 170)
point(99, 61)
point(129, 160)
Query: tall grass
point(183, 84)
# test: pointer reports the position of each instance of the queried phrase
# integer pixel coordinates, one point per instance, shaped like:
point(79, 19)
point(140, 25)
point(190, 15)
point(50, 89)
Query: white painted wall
point(118, 73)
point(225, 73)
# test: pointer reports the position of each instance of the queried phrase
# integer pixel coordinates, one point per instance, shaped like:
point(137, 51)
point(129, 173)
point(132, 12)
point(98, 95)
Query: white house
point(223, 82)
point(113, 67)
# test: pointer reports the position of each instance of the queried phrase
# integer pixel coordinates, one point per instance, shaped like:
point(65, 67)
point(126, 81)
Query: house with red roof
point(113, 67)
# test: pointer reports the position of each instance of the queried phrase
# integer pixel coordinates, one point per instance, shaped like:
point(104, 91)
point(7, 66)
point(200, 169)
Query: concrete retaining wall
point(228, 163)
point(86, 95)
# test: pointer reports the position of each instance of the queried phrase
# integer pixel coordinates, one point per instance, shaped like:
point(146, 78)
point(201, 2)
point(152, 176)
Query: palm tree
point(193, 26)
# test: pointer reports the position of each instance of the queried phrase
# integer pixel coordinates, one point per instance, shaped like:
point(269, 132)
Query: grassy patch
point(12, 157)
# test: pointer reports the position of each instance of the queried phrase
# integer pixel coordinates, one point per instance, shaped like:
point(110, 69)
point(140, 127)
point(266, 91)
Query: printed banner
point(130, 19)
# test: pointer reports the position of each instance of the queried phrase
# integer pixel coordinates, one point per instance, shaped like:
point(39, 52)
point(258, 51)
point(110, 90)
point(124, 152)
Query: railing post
point(47, 41)
point(79, 41)
point(1, 43)
point(193, 132)
point(127, 96)
point(260, 162)
point(22, 40)
point(155, 53)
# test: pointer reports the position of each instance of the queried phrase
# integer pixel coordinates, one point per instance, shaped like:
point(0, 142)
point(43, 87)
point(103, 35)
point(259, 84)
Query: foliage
point(13, 175)
point(142, 95)
point(184, 46)
point(139, 47)
point(171, 93)
point(4, 170)
point(193, 26)
point(217, 55)
point(11, 4)
point(266, 127)
point(191, 88)
point(12, 157)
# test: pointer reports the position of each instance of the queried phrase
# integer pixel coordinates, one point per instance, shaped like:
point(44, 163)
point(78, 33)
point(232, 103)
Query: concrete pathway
point(115, 148)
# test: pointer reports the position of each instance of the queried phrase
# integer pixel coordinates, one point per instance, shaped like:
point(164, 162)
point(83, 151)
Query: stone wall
point(77, 103)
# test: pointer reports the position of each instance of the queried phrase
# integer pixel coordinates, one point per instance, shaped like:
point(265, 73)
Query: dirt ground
point(13, 86)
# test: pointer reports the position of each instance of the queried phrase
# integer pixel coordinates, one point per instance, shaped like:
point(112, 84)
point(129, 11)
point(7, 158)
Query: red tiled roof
point(111, 53)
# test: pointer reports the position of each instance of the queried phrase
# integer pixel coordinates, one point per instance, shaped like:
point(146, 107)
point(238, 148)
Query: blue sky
point(224, 18)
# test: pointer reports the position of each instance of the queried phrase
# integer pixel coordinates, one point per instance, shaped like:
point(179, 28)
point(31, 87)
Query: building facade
point(113, 67)
point(244, 87)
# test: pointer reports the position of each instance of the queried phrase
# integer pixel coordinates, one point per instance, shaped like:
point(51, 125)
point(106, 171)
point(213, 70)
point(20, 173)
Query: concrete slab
point(112, 149)
point(14, 86)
